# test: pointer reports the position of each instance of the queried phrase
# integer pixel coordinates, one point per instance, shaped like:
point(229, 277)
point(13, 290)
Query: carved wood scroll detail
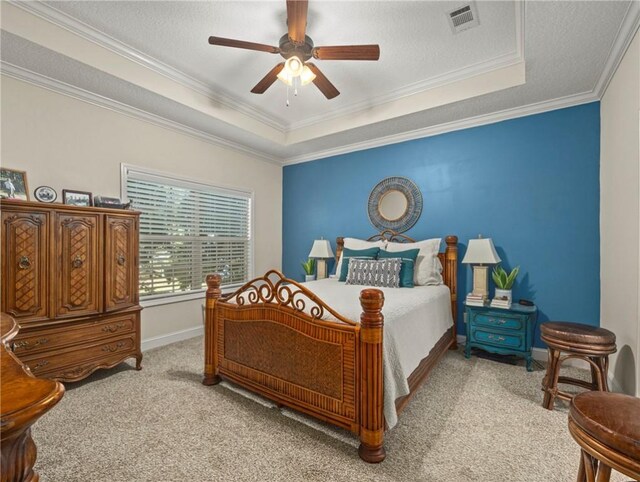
point(273, 287)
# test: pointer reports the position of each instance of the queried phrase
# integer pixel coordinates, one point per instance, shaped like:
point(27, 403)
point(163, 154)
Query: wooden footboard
point(269, 336)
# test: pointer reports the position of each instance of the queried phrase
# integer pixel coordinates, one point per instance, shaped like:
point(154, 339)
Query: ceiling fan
point(297, 48)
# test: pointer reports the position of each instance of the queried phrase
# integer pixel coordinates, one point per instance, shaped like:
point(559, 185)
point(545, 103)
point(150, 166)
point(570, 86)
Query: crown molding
point(492, 118)
point(75, 26)
point(626, 32)
point(479, 68)
point(59, 87)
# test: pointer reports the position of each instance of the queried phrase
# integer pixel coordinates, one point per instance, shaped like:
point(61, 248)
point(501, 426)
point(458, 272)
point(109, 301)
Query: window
point(188, 230)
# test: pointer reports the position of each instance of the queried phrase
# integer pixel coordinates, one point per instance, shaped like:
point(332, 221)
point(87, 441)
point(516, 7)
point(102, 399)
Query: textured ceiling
point(415, 39)
point(566, 47)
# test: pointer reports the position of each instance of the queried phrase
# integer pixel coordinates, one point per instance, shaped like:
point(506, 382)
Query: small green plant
point(503, 280)
point(308, 266)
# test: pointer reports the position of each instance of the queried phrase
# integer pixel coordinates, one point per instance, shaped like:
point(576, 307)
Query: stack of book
point(475, 300)
point(501, 303)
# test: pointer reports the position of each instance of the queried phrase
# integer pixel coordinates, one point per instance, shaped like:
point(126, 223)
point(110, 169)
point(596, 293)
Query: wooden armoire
point(70, 279)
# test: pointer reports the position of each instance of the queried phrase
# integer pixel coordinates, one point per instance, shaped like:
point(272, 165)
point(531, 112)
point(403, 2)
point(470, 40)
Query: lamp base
point(480, 281)
point(321, 269)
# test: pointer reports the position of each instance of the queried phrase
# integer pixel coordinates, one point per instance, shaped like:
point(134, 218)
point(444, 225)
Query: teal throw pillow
point(369, 253)
point(408, 258)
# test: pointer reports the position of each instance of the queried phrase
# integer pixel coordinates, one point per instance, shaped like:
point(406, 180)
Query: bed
point(307, 347)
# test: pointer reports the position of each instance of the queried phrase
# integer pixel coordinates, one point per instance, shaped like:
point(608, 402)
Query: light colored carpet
point(474, 420)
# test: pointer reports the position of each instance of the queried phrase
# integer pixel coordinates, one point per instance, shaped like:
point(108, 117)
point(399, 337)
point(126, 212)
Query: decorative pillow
point(354, 243)
point(428, 270)
point(384, 273)
point(408, 259)
point(370, 253)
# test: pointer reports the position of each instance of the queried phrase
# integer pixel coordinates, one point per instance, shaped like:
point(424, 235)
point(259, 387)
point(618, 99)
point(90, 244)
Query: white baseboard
point(169, 338)
point(540, 354)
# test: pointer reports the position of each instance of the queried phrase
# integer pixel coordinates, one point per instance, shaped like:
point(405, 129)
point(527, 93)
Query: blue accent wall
point(531, 184)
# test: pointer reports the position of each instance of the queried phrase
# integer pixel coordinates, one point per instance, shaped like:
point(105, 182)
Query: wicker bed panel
point(265, 346)
point(290, 356)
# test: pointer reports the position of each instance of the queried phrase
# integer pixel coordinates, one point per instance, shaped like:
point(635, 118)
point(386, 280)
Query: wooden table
point(23, 400)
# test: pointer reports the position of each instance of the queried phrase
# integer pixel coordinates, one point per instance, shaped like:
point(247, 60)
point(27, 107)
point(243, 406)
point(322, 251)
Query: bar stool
point(607, 428)
point(585, 342)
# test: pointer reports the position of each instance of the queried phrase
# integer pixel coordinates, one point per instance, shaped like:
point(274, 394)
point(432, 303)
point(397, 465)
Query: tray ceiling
point(154, 56)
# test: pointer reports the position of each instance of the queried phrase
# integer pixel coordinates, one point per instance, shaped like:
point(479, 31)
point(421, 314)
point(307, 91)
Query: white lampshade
point(321, 249)
point(481, 251)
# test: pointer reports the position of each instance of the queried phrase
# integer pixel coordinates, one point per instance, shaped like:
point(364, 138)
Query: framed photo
point(13, 184)
point(77, 198)
point(45, 194)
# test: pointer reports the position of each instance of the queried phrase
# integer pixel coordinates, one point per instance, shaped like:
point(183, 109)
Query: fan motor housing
point(302, 51)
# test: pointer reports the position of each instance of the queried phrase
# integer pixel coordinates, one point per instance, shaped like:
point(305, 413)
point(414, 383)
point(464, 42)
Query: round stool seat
point(577, 336)
point(613, 419)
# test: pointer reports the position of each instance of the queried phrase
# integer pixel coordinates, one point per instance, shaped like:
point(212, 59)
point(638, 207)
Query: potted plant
point(504, 282)
point(309, 267)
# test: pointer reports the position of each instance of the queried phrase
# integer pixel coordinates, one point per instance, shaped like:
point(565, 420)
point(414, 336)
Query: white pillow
point(355, 243)
point(428, 270)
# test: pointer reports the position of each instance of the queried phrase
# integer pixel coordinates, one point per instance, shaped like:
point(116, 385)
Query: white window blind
point(188, 230)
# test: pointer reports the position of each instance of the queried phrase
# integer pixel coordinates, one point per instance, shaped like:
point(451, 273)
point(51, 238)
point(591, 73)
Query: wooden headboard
point(449, 260)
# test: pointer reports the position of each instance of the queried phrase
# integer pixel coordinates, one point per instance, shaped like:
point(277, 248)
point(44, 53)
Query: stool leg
point(582, 476)
point(604, 366)
point(551, 379)
point(604, 473)
point(595, 375)
point(590, 467)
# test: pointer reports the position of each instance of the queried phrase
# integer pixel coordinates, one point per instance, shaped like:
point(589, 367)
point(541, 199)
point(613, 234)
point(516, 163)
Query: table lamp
point(321, 250)
point(480, 253)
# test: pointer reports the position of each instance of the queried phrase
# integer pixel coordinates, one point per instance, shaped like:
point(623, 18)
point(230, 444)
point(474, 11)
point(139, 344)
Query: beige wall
point(620, 217)
point(66, 143)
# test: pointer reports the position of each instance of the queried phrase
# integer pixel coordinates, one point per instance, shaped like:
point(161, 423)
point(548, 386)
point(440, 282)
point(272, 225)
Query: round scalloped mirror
point(395, 203)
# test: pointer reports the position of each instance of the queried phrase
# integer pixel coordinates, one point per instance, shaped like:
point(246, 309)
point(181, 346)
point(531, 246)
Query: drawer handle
point(27, 344)
point(112, 348)
point(121, 259)
point(41, 364)
point(497, 322)
point(77, 261)
point(496, 337)
point(24, 263)
point(112, 328)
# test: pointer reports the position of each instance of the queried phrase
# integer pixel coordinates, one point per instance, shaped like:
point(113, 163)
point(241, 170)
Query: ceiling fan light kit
point(297, 49)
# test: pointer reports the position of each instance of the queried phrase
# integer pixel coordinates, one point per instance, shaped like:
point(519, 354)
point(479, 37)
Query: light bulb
point(285, 77)
point(294, 65)
point(306, 76)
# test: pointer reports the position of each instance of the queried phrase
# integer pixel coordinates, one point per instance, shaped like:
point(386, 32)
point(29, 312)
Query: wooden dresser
point(70, 279)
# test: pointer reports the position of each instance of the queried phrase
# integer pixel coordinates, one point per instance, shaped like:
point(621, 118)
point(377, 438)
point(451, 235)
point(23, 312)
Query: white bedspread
point(414, 320)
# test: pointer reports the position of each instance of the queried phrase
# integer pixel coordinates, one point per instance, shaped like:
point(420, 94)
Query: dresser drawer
point(53, 365)
point(73, 333)
point(498, 321)
point(516, 342)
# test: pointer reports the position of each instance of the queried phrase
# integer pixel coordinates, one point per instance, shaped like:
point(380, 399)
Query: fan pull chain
point(295, 86)
point(287, 96)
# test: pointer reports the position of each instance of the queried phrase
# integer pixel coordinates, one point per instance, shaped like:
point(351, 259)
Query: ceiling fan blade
point(347, 52)
point(322, 83)
point(268, 79)
point(241, 44)
point(297, 20)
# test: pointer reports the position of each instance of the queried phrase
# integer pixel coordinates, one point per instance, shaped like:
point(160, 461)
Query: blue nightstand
point(502, 331)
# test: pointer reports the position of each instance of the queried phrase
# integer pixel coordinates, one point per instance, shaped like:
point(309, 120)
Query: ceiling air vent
point(463, 18)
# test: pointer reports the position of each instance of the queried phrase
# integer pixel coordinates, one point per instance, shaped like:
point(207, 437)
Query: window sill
point(198, 295)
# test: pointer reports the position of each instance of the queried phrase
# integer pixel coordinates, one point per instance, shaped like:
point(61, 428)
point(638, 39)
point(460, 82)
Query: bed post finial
point(372, 398)
point(214, 292)
point(451, 275)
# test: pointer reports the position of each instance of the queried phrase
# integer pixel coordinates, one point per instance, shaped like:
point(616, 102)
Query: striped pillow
point(384, 273)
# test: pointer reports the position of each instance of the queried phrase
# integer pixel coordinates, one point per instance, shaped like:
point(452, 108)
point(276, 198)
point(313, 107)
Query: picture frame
point(45, 194)
point(77, 198)
point(13, 184)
